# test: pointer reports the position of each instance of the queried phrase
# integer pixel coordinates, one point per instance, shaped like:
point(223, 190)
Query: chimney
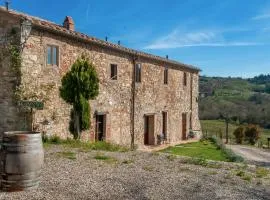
point(7, 2)
point(69, 23)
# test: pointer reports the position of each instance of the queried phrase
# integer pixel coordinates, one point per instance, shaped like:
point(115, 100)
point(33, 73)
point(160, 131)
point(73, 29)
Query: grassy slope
point(205, 150)
point(213, 127)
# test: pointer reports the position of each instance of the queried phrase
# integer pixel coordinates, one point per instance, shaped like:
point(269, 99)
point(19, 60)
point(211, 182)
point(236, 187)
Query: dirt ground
point(252, 155)
point(137, 175)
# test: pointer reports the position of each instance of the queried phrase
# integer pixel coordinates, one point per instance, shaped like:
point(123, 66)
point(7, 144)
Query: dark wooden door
point(149, 132)
point(146, 130)
point(184, 126)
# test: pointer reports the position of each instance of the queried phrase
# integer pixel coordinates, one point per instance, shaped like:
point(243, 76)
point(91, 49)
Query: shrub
point(252, 133)
point(239, 134)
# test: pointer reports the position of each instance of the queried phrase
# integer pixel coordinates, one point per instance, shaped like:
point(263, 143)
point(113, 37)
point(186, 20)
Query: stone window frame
point(138, 79)
point(185, 79)
point(114, 72)
point(57, 55)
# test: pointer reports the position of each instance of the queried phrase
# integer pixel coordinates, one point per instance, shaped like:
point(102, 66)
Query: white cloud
point(178, 39)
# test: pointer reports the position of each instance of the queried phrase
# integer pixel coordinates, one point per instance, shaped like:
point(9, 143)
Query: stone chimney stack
point(69, 23)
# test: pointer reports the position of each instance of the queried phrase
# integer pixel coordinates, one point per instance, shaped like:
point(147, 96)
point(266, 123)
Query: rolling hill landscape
point(241, 100)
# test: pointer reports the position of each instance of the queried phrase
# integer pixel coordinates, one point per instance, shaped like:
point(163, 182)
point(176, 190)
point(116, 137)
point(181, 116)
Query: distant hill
point(243, 100)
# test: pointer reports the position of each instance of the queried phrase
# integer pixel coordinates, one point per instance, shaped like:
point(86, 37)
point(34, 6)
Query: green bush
point(252, 134)
point(239, 134)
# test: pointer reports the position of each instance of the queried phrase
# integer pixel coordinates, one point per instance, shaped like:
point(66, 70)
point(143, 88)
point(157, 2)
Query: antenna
point(7, 3)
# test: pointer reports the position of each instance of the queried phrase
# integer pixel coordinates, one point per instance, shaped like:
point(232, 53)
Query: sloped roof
point(58, 29)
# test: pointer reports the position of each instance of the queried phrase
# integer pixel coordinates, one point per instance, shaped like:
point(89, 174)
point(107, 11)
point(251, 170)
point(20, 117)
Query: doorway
point(100, 127)
point(184, 126)
point(149, 132)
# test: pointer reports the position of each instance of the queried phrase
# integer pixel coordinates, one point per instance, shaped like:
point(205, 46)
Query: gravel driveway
point(137, 175)
point(253, 155)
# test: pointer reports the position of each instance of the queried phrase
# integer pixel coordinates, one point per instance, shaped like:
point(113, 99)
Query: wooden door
point(184, 126)
point(149, 133)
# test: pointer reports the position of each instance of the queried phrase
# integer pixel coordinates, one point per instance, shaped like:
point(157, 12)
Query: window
point(138, 71)
point(185, 79)
point(113, 72)
point(52, 55)
point(166, 75)
point(164, 124)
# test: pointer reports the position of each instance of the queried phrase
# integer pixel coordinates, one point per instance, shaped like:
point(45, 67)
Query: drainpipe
point(132, 145)
point(191, 100)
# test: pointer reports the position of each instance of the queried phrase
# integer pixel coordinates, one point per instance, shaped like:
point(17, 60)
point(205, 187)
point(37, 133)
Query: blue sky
point(223, 38)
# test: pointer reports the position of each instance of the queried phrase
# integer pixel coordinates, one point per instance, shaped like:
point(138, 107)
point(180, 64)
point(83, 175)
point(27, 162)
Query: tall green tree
point(80, 85)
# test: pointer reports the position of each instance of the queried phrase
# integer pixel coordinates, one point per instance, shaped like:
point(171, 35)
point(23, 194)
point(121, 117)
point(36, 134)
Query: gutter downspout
point(132, 145)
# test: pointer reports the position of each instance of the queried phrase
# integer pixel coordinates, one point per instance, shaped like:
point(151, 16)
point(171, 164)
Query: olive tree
point(80, 85)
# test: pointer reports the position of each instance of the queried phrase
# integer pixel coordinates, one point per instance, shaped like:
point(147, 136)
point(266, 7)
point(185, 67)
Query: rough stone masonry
point(149, 108)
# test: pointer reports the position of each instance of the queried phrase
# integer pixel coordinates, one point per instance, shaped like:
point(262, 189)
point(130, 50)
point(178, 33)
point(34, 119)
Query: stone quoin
point(150, 96)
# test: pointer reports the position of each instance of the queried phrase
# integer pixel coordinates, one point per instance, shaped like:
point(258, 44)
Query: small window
point(138, 72)
point(166, 75)
point(52, 55)
point(185, 79)
point(113, 72)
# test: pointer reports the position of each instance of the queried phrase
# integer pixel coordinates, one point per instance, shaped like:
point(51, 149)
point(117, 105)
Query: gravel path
point(137, 175)
point(252, 154)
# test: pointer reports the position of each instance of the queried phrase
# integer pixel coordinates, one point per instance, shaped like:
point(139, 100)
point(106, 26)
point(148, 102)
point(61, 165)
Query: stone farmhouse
point(141, 95)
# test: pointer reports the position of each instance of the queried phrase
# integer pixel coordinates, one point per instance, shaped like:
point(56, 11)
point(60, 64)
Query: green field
point(217, 127)
point(205, 150)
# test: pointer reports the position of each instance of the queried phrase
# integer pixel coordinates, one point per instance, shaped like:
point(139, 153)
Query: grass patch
point(171, 157)
point(127, 161)
point(198, 161)
point(83, 146)
point(148, 168)
point(261, 172)
point(67, 154)
point(105, 158)
point(243, 175)
point(200, 150)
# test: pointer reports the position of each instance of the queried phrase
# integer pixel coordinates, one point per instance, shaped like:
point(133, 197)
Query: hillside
point(243, 100)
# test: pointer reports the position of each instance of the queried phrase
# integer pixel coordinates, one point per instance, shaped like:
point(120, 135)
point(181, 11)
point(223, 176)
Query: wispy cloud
point(178, 39)
point(261, 17)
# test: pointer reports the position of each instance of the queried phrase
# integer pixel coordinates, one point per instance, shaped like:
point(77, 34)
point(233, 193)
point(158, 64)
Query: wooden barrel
point(22, 157)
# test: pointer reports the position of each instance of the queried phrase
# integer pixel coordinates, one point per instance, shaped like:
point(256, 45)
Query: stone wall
point(155, 97)
point(114, 97)
point(41, 82)
point(10, 117)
